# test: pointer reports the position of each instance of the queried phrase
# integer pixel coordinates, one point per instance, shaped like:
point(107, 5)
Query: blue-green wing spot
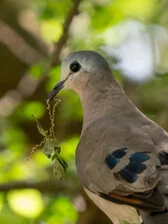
point(114, 158)
point(111, 161)
point(136, 166)
point(140, 157)
point(128, 175)
point(119, 153)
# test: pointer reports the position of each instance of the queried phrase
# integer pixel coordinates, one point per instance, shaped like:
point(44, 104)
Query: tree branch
point(55, 57)
point(66, 26)
point(48, 186)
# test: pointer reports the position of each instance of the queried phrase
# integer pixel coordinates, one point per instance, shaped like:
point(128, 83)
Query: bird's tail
point(155, 218)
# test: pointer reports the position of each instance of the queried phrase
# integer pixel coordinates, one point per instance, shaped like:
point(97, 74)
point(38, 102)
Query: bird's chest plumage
point(116, 212)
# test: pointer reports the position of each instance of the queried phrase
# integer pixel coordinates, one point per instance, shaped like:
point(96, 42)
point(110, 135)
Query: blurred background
point(35, 36)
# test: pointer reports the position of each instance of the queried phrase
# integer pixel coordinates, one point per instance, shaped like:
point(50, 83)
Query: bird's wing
point(135, 166)
point(157, 134)
point(122, 166)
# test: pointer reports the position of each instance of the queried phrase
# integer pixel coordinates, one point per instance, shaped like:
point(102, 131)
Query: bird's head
point(81, 69)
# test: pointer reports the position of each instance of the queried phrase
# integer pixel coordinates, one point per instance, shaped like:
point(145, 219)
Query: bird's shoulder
point(126, 127)
point(119, 150)
point(114, 131)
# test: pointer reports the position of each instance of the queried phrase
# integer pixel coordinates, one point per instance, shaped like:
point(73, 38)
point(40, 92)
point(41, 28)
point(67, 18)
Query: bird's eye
point(75, 66)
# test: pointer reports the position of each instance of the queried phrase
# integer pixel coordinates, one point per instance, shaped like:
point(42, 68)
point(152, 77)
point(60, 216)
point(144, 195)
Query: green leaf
point(40, 128)
point(33, 108)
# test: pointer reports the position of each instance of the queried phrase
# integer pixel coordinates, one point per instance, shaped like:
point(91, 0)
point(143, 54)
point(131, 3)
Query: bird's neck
point(102, 100)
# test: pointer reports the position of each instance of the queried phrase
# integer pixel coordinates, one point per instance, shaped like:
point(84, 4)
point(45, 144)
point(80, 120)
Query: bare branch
point(49, 186)
point(61, 42)
point(55, 57)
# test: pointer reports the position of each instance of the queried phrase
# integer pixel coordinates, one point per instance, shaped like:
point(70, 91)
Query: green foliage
point(71, 107)
point(8, 216)
point(69, 146)
point(62, 212)
point(92, 28)
point(51, 9)
point(54, 77)
point(27, 203)
point(1, 202)
point(36, 70)
point(35, 108)
point(51, 30)
point(15, 139)
point(114, 11)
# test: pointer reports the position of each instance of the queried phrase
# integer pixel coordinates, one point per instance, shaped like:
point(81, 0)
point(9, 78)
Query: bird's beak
point(56, 90)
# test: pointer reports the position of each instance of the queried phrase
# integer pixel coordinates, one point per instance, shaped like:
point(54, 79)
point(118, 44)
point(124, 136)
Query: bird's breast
point(117, 213)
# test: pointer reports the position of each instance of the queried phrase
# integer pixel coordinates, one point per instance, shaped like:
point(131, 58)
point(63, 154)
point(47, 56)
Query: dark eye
point(75, 66)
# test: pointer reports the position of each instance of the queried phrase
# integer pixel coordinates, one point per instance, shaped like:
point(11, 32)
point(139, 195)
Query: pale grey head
point(81, 68)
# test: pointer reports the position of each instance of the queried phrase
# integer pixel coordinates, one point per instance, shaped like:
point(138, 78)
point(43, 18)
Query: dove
point(122, 156)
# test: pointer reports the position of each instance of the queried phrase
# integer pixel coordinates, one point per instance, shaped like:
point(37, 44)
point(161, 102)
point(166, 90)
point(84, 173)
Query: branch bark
point(64, 37)
point(55, 57)
point(48, 186)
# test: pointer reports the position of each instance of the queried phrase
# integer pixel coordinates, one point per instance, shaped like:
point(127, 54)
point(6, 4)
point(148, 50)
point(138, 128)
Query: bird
point(122, 155)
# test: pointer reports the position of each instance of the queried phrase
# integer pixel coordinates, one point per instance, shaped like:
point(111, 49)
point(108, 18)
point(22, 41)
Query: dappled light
point(35, 36)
